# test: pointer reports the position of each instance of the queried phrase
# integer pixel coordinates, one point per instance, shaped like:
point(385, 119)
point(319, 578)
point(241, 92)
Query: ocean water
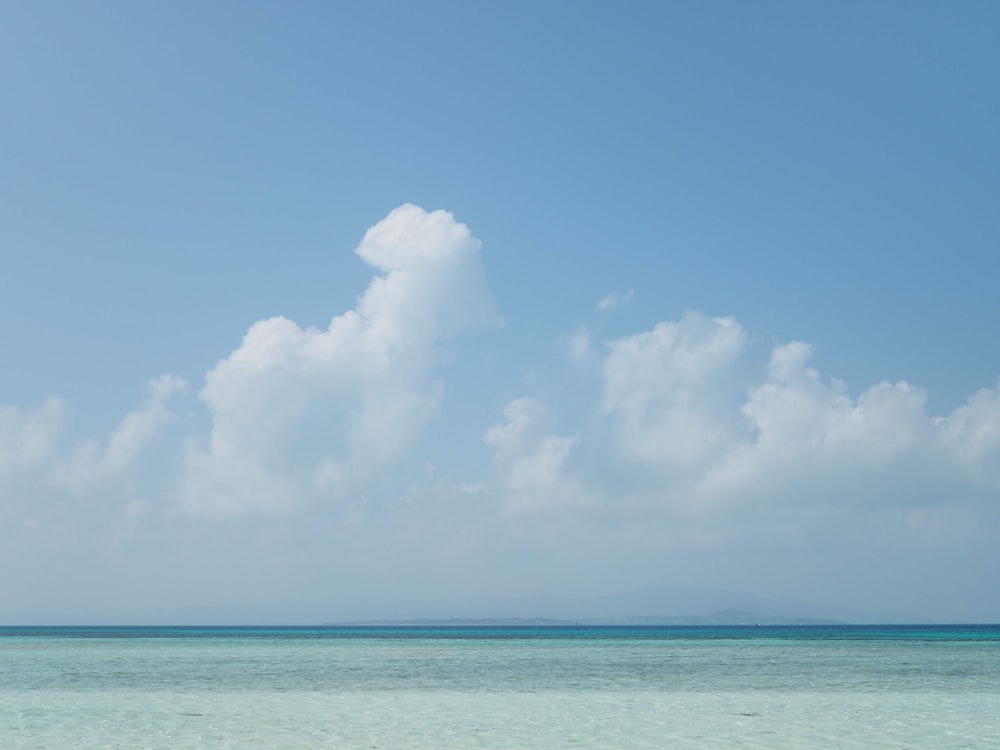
point(395, 688)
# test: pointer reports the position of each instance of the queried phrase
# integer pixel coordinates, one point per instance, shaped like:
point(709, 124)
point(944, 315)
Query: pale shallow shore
point(499, 720)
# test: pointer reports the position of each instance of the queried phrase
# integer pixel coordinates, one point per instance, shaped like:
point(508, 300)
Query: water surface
point(679, 687)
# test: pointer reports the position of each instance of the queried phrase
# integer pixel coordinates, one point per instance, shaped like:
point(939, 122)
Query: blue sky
point(713, 305)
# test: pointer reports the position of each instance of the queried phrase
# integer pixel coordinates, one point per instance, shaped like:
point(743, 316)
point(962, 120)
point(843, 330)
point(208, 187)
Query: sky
point(307, 305)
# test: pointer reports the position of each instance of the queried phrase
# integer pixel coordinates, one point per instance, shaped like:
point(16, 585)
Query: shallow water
point(501, 688)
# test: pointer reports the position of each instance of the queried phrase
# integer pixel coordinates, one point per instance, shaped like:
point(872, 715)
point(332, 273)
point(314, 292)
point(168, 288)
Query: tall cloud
point(301, 412)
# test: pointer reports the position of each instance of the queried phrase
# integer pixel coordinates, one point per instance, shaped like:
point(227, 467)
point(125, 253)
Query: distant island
point(731, 617)
point(653, 606)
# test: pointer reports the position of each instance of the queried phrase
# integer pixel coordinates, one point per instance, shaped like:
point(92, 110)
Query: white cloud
point(614, 301)
point(303, 412)
point(533, 460)
point(543, 467)
point(690, 451)
point(28, 438)
point(972, 432)
point(686, 424)
point(667, 390)
point(91, 461)
point(139, 427)
point(793, 440)
point(525, 420)
point(812, 442)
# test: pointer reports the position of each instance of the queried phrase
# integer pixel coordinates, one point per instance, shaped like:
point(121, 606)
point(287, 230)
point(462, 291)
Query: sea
point(501, 687)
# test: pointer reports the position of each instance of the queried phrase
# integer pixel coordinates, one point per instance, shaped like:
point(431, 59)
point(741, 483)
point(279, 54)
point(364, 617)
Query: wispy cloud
point(95, 460)
point(614, 301)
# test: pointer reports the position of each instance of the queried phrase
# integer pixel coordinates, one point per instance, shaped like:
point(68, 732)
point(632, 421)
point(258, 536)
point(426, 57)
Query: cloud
point(533, 460)
point(667, 391)
point(813, 443)
point(972, 432)
point(525, 419)
point(615, 301)
point(693, 458)
point(91, 461)
point(681, 401)
point(300, 413)
point(689, 424)
point(32, 440)
point(59, 494)
point(28, 438)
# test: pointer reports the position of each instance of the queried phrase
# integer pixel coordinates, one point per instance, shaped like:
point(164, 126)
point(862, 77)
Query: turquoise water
point(704, 687)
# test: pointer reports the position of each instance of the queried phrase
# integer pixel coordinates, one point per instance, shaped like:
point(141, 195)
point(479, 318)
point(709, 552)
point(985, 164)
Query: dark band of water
point(936, 633)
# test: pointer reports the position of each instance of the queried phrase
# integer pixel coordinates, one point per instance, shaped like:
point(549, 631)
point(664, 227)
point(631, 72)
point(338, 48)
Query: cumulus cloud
point(689, 448)
point(681, 401)
point(689, 422)
point(302, 412)
point(813, 443)
point(95, 460)
point(972, 432)
point(533, 459)
point(668, 393)
point(34, 440)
